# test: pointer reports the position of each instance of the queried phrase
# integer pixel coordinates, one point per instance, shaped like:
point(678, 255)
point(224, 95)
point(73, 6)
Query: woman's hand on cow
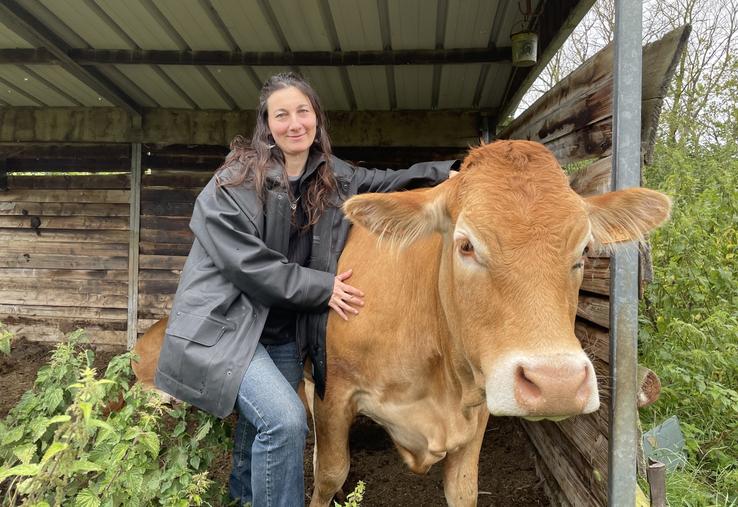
point(345, 298)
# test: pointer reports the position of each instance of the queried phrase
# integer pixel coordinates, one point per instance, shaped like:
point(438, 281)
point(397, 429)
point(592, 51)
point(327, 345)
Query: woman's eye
point(578, 265)
point(585, 251)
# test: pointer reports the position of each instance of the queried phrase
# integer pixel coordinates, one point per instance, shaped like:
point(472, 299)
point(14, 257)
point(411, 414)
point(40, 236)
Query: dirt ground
point(507, 474)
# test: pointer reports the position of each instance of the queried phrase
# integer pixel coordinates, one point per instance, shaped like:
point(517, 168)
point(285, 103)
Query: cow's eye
point(465, 247)
point(580, 263)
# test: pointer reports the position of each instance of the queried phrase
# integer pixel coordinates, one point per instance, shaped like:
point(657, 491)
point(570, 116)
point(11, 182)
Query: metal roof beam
point(235, 58)
point(24, 24)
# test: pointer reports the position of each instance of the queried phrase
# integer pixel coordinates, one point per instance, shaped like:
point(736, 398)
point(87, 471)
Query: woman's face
point(291, 120)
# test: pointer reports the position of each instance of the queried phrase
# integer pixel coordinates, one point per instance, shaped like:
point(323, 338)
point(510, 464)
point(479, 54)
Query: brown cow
point(471, 295)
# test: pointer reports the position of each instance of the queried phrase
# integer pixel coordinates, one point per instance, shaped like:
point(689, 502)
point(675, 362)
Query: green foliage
point(354, 498)
point(57, 446)
point(689, 328)
point(6, 339)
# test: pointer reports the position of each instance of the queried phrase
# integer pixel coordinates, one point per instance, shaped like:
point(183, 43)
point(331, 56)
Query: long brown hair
point(249, 161)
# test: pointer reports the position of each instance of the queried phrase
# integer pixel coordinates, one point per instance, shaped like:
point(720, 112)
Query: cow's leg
point(332, 418)
point(460, 468)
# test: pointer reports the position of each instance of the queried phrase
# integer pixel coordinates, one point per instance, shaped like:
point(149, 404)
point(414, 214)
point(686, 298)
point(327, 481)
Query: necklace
point(293, 204)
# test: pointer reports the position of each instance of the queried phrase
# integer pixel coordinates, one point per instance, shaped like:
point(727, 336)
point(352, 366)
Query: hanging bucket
point(524, 48)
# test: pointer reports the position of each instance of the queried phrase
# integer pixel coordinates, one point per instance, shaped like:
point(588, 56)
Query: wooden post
point(135, 220)
point(656, 474)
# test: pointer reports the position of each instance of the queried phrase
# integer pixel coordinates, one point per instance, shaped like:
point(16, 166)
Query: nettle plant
point(62, 445)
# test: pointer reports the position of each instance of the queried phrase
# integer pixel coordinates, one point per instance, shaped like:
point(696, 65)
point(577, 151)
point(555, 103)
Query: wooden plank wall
point(574, 119)
point(167, 198)
point(64, 237)
point(71, 270)
point(64, 253)
point(172, 178)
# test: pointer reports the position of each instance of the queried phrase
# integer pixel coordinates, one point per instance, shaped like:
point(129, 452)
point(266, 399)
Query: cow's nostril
point(526, 387)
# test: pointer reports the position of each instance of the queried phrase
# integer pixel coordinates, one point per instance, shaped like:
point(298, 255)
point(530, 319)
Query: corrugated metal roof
point(34, 87)
point(468, 23)
point(267, 26)
point(327, 82)
point(302, 24)
point(189, 19)
point(70, 85)
point(247, 24)
point(370, 87)
point(357, 24)
point(195, 85)
point(239, 85)
point(150, 80)
point(458, 83)
point(9, 39)
point(133, 18)
point(413, 85)
point(83, 20)
point(495, 85)
point(413, 23)
point(53, 23)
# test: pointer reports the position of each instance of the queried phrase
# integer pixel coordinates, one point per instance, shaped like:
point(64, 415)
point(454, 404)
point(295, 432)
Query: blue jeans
point(270, 434)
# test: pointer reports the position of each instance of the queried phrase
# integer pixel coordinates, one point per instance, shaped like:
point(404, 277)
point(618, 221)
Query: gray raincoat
point(236, 270)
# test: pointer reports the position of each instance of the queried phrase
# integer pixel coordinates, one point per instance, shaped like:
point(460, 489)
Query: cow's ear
point(402, 217)
point(626, 215)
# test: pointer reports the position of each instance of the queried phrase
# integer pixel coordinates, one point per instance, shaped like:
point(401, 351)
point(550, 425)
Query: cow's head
point(514, 240)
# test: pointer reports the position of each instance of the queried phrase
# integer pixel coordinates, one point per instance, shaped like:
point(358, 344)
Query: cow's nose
point(552, 390)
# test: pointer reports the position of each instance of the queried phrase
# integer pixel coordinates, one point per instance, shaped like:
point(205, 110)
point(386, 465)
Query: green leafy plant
point(6, 339)
point(62, 445)
point(354, 498)
point(689, 323)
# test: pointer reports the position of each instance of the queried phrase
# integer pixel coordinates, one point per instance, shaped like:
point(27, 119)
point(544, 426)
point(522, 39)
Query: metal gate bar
point(624, 264)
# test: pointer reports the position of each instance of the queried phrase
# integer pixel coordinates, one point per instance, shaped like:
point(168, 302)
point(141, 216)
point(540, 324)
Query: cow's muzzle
point(543, 386)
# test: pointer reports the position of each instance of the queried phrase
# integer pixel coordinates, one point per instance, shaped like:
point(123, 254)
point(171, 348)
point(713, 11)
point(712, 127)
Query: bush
point(689, 323)
point(57, 446)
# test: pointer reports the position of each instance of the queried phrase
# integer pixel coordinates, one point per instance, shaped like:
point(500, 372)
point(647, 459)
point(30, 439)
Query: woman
point(254, 293)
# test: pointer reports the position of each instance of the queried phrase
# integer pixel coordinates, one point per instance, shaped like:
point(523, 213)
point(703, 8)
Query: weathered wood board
point(64, 259)
point(574, 118)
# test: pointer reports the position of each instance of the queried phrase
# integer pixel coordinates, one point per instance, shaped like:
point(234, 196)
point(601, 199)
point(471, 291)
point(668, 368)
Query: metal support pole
point(134, 226)
point(624, 264)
